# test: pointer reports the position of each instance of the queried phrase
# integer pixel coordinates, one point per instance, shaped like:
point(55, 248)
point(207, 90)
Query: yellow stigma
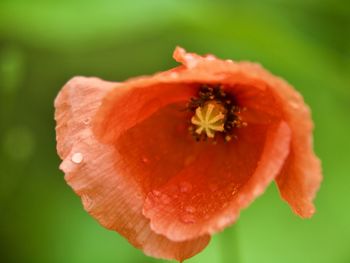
point(209, 119)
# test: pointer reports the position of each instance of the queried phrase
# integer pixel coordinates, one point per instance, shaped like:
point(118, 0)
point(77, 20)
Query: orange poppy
point(170, 159)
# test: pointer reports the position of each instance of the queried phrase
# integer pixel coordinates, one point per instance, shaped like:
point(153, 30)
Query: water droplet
point(165, 199)
point(77, 158)
point(190, 209)
point(185, 187)
point(86, 121)
point(188, 218)
point(156, 192)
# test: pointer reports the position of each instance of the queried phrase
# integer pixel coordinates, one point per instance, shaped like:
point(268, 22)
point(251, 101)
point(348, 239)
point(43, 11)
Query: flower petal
point(208, 193)
point(133, 102)
point(187, 181)
point(113, 199)
point(138, 98)
point(141, 123)
point(301, 175)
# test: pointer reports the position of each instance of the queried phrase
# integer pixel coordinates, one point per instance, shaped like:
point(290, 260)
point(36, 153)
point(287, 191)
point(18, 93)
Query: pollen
point(214, 112)
point(209, 119)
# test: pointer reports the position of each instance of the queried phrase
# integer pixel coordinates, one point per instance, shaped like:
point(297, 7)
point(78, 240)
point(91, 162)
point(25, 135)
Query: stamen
point(209, 118)
point(215, 111)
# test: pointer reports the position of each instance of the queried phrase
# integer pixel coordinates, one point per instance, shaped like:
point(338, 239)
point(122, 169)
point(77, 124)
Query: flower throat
point(215, 113)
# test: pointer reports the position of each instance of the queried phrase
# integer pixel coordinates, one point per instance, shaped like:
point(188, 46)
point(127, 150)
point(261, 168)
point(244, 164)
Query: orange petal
point(154, 149)
point(207, 194)
point(115, 200)
point(187, 181)
point(133, 102)
point(143, 122)
point(138, 98)
point(301, 175)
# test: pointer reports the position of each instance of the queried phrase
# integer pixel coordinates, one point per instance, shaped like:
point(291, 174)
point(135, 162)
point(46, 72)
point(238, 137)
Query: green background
point(45, 43)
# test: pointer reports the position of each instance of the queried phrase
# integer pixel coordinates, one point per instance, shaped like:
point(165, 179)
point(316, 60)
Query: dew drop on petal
point(156, 193)
point(77, 158)
point(185, 187)
point(190, 209)
point(188, 219)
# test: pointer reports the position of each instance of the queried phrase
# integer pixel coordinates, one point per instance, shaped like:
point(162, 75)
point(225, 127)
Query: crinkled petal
point(189, 185)
point(159, 153)
point(145, 124)
point(133, 102)
point(138, 98)
point(301, 175)
point(91, 169)
point(208, 193)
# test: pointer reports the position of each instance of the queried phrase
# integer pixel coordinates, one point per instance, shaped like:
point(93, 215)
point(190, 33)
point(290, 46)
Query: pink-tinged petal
point(140, 97)
point(95, 173)
point(158, 151)
point(208, 193)
point(301, 175)
point(122, 109)
point(187, 181)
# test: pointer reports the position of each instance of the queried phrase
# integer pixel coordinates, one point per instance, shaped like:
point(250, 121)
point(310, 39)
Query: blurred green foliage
point(44, 43)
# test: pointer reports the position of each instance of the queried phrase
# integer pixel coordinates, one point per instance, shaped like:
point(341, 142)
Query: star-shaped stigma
point(209, 119)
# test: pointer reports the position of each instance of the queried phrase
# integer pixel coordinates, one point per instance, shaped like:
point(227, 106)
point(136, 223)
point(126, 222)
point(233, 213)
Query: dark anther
point(215, 94)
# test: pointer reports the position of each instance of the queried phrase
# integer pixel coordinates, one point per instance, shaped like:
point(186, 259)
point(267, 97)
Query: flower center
point(209, 119)
point(215, 112)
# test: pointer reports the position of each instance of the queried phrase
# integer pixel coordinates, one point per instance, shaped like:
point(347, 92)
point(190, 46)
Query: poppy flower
point(170, 159)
